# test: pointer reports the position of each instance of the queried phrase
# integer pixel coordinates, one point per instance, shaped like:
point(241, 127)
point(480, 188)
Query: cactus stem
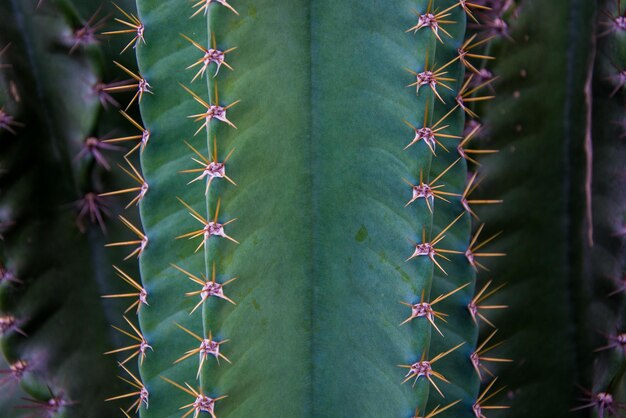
point(428, 248)
point(143, 138)
point(141, 295)
point(471, 254)
point(479, 406)
point(430, 134)
point(203, 6)
point(424, 368)
point(211, 55)
point(142, 188)
point(143, 240)
point(141, 348)
point(433, 20)
point(475, 306)
point(211, 228)
point(430, 191)
point(425, 309)
point(211, 169)
point(141, 85)
point(469, 189)
point(135, 26)
point(438, 410)
point(477, 357)
point(214, 111)
point(141, 392)
point(209, 287)
point(208, 347)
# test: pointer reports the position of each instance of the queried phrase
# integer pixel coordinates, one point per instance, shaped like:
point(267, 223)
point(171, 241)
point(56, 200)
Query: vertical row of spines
point(139, 347)
point(436, 136)
point(487, 24)
point(606, 213)
point(207, 167)
point(486, 27)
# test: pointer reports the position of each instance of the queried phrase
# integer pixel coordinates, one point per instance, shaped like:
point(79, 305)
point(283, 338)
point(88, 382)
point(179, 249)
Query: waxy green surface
point(319, 203)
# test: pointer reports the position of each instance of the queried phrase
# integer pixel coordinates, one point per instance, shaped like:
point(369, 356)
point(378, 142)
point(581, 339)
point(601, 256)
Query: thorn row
point(434, 133)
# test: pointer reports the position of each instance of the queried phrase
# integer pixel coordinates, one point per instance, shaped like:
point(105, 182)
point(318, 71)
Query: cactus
point(577, 179)
point(608, 259)
point(310, 208)
point(54, 327)
point(213, 127)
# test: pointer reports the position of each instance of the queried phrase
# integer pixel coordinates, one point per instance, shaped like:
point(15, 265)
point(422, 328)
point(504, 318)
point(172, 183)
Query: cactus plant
point(572, 137)
point(313, 202)
point(53, 323)
point(269, 119)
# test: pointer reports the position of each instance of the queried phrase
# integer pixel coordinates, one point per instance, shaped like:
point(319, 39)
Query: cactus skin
point(308, 304)
point(544, 269)
point(319, 199)
point(58, 272)
point(607, 260)
point(300, 342)
point(560, 308)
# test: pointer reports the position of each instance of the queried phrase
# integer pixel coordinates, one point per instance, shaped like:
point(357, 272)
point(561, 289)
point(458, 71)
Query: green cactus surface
point(563, 153)
point(271, 208)
point(321, 337)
